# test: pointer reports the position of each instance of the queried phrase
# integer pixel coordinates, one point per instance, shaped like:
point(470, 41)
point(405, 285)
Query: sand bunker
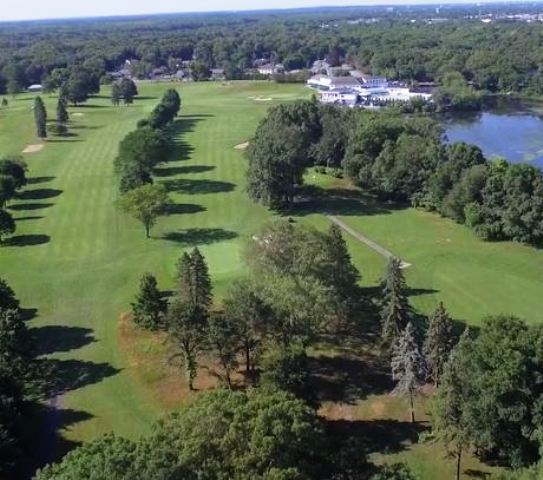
point(33, 148)
point(242, 146)
point(77, 114)
point(261, 99)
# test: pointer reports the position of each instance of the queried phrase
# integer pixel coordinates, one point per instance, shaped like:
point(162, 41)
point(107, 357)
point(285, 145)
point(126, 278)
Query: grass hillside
point(76, 259)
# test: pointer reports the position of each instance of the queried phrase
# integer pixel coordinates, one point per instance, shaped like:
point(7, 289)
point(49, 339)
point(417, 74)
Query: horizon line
point(428, 3)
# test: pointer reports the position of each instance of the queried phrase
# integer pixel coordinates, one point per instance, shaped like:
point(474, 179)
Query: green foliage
point(116, 94)
point(194, 283)
point(287, 368)
point(227, 435)
point(62, 110)
point(7, 225)
point(145, 204)
point(16, 168)
point(224, 343)
point(395, 312)
point(8, 300)
point(395, 471)
point(40, 117)
point(186, 324)
point(149, 307)
point(127, 90)
point(439, 342)
point(492, 388)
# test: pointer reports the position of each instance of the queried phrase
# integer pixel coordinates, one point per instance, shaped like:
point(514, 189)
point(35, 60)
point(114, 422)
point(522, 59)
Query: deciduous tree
point(145, 204)
point(7, 225)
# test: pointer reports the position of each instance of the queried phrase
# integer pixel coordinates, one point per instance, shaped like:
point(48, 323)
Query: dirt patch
point(149, 359)
point(33, 148)
point(242, 146)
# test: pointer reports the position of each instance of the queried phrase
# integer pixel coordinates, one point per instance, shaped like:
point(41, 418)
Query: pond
point(508, 128)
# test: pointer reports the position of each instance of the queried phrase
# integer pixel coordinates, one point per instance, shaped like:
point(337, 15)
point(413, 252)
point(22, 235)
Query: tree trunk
point(228, 379)
point(412, 407)
point(458, 461)
point(147, 231)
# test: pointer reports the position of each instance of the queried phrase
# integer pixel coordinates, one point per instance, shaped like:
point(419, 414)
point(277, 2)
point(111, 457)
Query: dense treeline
point(498, 57)
point(399, 158)
point(141, 150)
point(12, 178)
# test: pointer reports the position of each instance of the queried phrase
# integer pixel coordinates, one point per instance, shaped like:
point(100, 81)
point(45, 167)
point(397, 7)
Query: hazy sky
point(34, 9)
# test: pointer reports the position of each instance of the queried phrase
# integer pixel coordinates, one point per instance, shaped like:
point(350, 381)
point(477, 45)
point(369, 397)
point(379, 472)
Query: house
point(373, 82)
point(325, 82)
point(217, 74)
point(340, 96)
point(271, 69)
point(35, 88)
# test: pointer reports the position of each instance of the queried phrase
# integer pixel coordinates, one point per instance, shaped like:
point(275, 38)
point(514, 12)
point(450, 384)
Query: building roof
point(344, 82)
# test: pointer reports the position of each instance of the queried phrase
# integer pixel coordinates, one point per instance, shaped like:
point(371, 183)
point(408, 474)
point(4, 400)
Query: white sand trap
point(242, 146)
point(77, 114)
point(33, 148)
point(263, 99)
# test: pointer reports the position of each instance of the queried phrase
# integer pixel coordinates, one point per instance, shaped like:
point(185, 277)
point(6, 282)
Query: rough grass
point(77, 260)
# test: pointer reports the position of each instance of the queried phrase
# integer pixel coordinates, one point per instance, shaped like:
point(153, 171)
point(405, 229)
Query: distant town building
point(271, 69)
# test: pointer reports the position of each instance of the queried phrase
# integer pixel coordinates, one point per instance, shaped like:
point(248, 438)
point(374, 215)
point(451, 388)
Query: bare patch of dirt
point(33, 148)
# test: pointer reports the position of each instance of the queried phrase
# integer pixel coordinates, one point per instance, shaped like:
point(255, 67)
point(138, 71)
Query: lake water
point(505, 128)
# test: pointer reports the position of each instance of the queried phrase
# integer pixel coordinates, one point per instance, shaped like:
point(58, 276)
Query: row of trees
point(141, 150)
point(397, 158)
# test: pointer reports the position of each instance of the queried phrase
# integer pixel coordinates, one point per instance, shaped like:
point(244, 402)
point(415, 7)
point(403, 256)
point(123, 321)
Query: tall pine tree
point(62, 110)
point(438, 343)
point(40, 117)
point(408, 368)
point(149, 306)
point(395, 311)
point(344, 276)
point(194, 281)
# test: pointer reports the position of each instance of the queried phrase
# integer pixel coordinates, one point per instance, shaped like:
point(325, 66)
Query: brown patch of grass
point(149, 359)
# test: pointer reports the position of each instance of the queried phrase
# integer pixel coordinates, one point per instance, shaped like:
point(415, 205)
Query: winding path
point(367, 241)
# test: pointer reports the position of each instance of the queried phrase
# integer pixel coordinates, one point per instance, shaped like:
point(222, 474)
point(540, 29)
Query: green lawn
point(76, 259)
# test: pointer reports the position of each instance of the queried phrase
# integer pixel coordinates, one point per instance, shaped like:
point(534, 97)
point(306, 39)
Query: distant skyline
point(51, 9)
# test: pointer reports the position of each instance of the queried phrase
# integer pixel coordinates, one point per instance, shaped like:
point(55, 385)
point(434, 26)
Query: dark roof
point(345, 82)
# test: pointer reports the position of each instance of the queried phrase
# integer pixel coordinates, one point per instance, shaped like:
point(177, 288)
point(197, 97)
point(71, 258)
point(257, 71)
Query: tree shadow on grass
point(183, 209)
point(62, 376)
point(59, 338)
point(39, 194)
point(171, 171)
point(65, 140)
point(24, 219)
point(199, 236)
point(198, 187)
point(339, 201)
point(27, 240)
point(377, 436)
point(348, 380)
point(30, 206)
point(36, 180)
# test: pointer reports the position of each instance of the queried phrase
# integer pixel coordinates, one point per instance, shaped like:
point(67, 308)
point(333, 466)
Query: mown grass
point(77, 259)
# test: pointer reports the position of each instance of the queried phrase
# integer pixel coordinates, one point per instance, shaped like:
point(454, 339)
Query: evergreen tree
point(194, 281)
point(407, 366)
point(8, 300)
point(438, 343)
point(344, 276)
point(395, 310)
point(451, 425)
point(149, 306)
point(116, 94)
point(40, 117)
point(186, 328)
point(7, 225)
point(62, 110)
